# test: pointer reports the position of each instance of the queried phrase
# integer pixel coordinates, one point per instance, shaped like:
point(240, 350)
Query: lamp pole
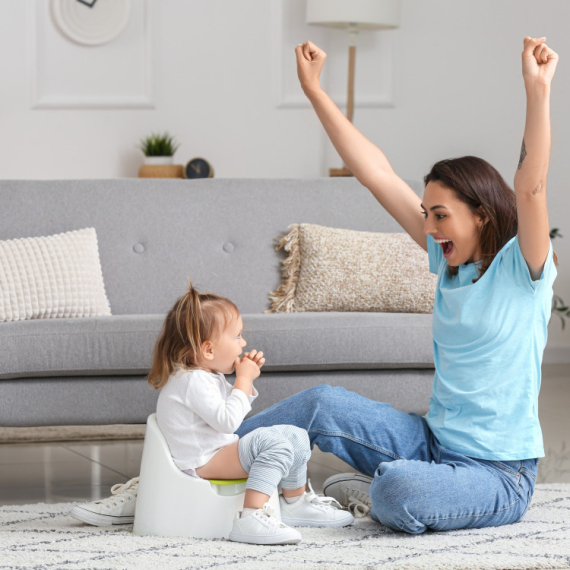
point(352, 33)
point(353, 16)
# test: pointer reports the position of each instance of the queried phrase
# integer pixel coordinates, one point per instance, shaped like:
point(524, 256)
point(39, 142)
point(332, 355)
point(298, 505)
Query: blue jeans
point(417, 483)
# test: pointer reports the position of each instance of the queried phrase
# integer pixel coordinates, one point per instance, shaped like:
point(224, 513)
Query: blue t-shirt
point(488, 342)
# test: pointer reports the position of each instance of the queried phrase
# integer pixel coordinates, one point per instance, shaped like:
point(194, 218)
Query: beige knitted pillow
point(331, 269)
point(51, 277)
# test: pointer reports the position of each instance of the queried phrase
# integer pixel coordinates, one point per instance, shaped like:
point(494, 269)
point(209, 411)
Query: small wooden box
point(161, 171)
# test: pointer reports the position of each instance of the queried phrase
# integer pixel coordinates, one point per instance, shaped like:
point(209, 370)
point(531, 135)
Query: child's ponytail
point(194, 319)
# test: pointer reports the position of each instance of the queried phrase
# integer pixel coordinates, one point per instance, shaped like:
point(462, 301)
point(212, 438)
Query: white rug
point(43, 536)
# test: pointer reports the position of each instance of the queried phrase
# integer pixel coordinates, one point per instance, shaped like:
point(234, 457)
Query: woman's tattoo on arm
point(523, 154)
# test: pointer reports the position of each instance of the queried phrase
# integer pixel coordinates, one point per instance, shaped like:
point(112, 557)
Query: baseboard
point(71, 433)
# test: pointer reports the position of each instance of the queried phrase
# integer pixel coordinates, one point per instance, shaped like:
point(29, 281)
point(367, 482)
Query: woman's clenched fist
point(538, 61)
point(310, 61)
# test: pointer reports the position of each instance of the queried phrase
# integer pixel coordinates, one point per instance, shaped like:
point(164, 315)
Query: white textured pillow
point(52, 277)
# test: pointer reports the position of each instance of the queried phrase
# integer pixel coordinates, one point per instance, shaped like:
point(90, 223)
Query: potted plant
point(158, 149)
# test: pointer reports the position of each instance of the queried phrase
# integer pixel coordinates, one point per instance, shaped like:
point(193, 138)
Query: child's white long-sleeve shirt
point(198, 413)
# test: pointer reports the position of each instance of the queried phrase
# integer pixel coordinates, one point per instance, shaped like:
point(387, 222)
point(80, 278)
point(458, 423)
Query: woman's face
point(451, 220)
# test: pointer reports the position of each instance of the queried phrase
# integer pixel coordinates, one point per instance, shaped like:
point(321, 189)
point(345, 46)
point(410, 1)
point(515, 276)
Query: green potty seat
point(228, 487)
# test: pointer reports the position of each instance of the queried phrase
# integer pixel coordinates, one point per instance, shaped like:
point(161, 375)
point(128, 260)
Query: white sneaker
point(314, 510)
point(117, 509)
point(351, 490)
point(261, 527)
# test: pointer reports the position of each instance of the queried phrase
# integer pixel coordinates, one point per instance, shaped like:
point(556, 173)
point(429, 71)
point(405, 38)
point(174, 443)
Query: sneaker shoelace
point(320, 500)
point(268, 513)
point(119, 492)
point(359, 503)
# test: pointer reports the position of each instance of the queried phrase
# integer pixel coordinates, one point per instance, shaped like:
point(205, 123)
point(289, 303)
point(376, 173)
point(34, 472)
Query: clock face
point(90, 22)
point(198, 168)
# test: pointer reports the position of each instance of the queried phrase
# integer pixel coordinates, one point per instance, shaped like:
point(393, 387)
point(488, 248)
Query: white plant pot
point(154, 160)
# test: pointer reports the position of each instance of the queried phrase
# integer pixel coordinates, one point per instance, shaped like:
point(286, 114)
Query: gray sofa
point(155, 234)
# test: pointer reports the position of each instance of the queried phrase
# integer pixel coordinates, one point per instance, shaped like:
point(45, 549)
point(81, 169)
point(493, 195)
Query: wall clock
point(90, 22)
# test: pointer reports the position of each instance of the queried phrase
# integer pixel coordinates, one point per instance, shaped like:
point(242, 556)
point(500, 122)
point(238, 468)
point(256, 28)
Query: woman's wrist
point(312, 90)
point(537, 90)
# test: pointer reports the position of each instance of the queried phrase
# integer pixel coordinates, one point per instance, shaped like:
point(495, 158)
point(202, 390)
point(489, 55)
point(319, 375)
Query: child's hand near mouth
point(257, 357)
point(249, 365)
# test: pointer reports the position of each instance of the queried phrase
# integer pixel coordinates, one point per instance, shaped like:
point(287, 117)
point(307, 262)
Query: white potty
point(171, 503)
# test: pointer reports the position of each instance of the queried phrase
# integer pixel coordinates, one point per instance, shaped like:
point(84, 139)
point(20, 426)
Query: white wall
point(447, 83)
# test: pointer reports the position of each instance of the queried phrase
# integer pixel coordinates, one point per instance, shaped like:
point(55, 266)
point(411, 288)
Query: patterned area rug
point(43, 536)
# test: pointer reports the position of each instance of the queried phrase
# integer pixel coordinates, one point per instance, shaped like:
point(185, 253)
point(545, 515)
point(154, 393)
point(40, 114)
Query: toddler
point(198, 412)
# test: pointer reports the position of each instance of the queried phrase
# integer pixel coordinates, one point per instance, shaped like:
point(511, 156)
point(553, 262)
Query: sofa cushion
point(56, 276)
point(341, 340)
point(123, 344)
point(334, 269)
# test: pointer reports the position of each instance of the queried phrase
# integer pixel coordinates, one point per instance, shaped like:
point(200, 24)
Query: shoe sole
point(252, 539)
point(327, 524)
point(341, 478)
point(96, 519)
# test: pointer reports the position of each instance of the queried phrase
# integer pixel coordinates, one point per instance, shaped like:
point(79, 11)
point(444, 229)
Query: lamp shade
point(367, 14)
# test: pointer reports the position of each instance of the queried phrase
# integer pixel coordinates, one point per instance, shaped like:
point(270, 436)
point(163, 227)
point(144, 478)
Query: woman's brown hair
point(475, 182)
point(194, 318)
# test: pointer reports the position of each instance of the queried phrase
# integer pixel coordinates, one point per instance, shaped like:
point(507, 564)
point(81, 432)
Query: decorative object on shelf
point(161, 171)
point(159, 145)
point(353, 15)
point(90, 22)
point(198, 168)
point(159, 157)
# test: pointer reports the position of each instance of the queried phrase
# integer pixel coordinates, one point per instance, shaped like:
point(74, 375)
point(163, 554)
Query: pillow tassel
point(284, 298)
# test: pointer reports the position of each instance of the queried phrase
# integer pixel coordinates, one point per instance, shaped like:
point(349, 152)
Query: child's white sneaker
point(314, 510)
point(261, 527)
point(119, 508)
point(351, 490)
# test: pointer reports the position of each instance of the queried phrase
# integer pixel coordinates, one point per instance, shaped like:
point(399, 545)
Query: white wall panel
point(65, 74)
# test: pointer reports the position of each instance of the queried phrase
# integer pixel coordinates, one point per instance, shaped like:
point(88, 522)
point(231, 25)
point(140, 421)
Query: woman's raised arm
point(539, 64)
point(363, 158)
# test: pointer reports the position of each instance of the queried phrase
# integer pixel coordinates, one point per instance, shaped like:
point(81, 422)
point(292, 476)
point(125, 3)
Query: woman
point(472, 460)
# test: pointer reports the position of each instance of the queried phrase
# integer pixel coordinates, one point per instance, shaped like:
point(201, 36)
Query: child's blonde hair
point(194, 318)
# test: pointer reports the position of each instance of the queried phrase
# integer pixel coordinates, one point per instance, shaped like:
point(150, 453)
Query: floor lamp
point(353, 15)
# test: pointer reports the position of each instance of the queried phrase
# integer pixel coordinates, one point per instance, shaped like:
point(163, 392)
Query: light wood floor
point(64, 472)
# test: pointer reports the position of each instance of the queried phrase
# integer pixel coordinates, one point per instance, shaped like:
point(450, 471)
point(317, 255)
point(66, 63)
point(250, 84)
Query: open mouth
point(447, 248)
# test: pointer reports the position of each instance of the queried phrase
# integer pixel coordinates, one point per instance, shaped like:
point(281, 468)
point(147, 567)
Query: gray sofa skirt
point(92, 400)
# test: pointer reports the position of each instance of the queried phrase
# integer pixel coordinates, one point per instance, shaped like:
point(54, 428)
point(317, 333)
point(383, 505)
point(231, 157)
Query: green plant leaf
point(158, 145)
